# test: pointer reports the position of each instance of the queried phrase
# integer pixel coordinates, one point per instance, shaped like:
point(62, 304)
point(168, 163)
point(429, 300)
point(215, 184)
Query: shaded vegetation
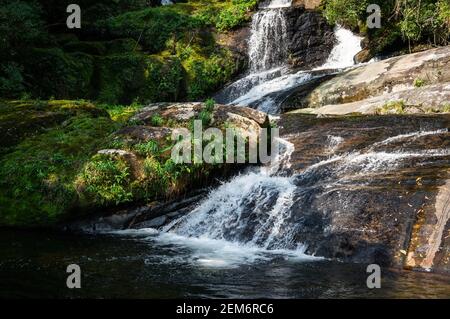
point(41, 188)
point(405, 23)
point(52, 169)
point(125, 50)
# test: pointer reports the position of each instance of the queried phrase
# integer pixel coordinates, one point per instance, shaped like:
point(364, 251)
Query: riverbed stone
point(378, 78)
point(146, 133)
point(241, 117)
point(310, 38)
point(358, 200)
point(430, 98)
point(429, 247)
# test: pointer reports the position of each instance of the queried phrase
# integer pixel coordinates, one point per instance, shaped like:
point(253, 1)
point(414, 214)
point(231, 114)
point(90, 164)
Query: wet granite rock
point(372, 189)
point(363, 56)
point(184, 112)
point(145, 133)
point(151, 215)
point(429, 248)
point(310, 37)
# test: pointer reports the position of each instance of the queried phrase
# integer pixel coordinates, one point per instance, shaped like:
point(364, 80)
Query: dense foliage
point(61, 175)
point(404, 22)
point(125, 50)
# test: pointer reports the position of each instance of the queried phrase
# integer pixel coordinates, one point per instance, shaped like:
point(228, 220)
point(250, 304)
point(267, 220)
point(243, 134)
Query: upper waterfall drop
point(267, 94)
point(268, 41)
point(277, 4)
point(271, 79)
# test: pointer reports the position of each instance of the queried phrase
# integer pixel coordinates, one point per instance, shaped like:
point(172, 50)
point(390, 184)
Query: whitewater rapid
point(250, 217)
point(258, 87)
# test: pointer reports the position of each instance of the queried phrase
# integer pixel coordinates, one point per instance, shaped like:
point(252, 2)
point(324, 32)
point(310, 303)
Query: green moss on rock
point(133, 52)
point(84, 157)
point(41, 189)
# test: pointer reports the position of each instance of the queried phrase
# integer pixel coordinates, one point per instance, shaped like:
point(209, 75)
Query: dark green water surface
point(33, 264)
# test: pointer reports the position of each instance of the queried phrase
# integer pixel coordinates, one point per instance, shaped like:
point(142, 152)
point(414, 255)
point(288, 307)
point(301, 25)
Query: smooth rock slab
point(418, 100)
point(372, 189)
point(378, 78)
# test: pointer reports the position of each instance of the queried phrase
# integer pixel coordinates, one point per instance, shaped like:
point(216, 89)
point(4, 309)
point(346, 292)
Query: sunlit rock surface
point(379, 79)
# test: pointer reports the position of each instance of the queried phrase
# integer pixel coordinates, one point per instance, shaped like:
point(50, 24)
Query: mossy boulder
point(22, 119)
point(125, 51)
point(37, 174)
point(426, 99)
point(71, 158)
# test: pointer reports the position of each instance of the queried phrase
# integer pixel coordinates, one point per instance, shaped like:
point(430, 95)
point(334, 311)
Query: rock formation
point(420, 79)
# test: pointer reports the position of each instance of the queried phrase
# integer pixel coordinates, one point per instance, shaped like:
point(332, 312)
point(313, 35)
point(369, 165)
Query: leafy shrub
point(151, 27)
point(157, 120)
point(163, 80)
point(419, 83)
point(107, 180)
point(345, 12)
point(404, 22)
point(147, 148)
point(207, 75)
point(234, 15)
point(392, 107)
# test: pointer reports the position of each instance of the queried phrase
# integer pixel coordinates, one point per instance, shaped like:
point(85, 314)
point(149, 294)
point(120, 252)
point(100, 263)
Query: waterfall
point(267, 90)
point(251, 209)
point(270, 78)
point(254, 209)
point(261, 209)
point(268, 42)
point(348, 45)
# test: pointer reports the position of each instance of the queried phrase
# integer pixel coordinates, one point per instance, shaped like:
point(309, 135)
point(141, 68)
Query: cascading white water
point(410, 136)
point(259, 197)
point(269, 76)
point(268, 42)
point(255, 209)
point(256, 215)
point(252, 214)
point(277, 4)
point(260, 93)
point(348, 45)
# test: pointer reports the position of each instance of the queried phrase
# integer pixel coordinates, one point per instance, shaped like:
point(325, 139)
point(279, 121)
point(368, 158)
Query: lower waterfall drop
point(249, 210)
